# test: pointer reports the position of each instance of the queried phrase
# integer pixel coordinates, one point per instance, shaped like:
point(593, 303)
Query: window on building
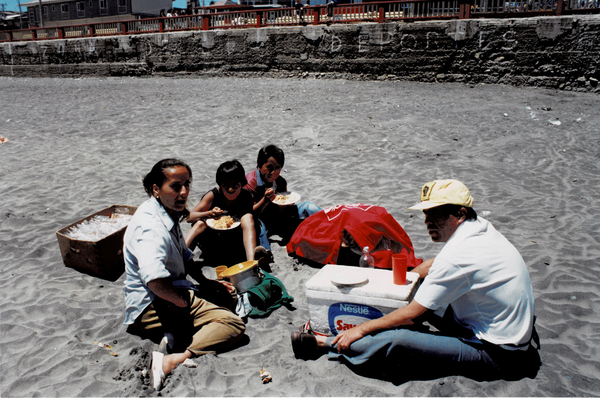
point(80, 9)
point(64, 9)
point(52, 8)
point(122, 6)
point(103, 8)
point(45, 10)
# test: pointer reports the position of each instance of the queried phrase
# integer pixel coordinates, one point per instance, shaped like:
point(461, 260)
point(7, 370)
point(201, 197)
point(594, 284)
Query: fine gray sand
point(79, 145)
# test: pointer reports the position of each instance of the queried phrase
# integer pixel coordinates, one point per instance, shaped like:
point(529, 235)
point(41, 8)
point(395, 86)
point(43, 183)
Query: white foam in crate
point(334, 307)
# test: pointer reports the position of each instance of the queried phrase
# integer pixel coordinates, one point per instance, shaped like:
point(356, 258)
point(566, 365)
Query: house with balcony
point(75, 12)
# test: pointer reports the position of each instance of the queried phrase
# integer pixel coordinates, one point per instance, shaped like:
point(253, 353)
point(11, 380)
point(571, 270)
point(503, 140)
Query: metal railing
point(535, 7)
point(380, 12)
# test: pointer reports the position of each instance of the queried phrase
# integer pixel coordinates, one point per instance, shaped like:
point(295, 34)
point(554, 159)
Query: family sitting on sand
point(197, 318)
point(478, 282)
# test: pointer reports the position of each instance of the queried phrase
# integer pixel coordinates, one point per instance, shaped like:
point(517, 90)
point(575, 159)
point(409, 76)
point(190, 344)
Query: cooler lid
point(376, 282)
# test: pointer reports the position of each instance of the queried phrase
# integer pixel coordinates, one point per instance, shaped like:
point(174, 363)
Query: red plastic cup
point(399, 264)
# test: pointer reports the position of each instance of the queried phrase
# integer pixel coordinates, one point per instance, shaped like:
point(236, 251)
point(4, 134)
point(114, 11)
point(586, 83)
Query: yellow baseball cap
point(443, 192)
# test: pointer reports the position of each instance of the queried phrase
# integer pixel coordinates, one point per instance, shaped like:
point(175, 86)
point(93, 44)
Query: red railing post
point(33, 34)
point(259, 19)
point(205, 21)
point(160, 27)
point(316, 15)
point(92, 31)
point(381, 15)
point(124, 28)
point(61, 32)
point(464, 11)
point(559, 7)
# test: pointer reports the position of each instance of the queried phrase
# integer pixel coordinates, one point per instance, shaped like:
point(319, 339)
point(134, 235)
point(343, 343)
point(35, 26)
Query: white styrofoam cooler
point(334, 308)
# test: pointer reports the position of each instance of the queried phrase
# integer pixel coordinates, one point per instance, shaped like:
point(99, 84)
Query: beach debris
point(546, 108)
point(107, 347)
point(265, 376)
point(3, 140)
point(554, 122)
point(485, 213)
point(505, 114)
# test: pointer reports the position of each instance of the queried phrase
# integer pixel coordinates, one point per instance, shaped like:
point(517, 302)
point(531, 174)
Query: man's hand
point(423, 268)
point(346, 338)
point(401, 316)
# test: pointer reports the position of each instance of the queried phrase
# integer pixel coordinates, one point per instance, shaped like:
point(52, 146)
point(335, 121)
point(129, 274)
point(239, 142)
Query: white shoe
point(158, 376)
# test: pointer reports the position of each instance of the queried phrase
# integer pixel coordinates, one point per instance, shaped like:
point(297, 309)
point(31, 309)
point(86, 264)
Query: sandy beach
point(77, 146)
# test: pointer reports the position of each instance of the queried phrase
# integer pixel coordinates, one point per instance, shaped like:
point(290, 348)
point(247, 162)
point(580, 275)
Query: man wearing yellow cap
point(478, 281)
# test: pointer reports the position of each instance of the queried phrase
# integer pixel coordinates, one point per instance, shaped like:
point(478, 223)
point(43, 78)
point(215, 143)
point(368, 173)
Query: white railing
point(76, 31)
point(47, 33)
point(233, 19)
point(108, 28)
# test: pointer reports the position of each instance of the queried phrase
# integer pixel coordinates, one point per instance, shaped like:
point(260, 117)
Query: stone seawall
point(554, 52)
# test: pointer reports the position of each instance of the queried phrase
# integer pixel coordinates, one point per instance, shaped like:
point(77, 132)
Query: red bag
point(318, 238)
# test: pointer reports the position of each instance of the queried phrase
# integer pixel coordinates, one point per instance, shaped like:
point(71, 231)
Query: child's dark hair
point(267, 152)
point(157, 176)
point(231, 170)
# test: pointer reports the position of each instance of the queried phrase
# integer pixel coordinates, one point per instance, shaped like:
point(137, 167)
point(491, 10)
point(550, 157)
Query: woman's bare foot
point(171, 361)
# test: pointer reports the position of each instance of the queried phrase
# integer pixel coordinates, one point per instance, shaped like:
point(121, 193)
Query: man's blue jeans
point(415, 354)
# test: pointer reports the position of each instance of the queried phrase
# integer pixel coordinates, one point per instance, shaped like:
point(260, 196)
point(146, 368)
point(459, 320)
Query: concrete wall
point(555, 52)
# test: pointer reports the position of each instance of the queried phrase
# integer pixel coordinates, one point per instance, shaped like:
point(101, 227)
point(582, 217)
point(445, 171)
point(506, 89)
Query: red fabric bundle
point(318, 238)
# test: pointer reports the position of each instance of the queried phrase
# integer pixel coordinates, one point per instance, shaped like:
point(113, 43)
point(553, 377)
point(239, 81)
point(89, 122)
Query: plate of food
point(223, 223)
point(286, 198)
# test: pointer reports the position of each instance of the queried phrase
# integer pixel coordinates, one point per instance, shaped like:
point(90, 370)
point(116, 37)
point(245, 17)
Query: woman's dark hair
point(157, 174)
point(231, 170)
point(453, 210)
point(267, 152)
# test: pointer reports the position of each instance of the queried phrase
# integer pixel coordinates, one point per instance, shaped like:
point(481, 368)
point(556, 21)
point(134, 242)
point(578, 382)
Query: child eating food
point(215, 219)
point(270, 205)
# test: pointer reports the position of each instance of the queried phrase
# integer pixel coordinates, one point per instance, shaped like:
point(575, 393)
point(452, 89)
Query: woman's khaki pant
point(201, 328)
